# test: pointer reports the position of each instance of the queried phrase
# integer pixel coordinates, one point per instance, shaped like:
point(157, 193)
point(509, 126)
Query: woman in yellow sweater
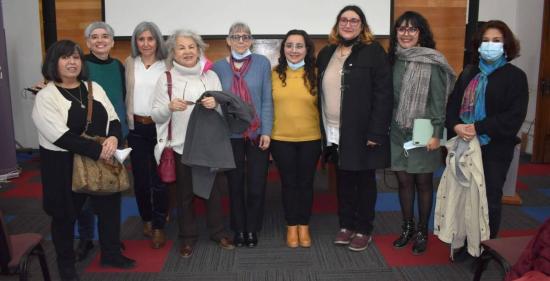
point(296, 143)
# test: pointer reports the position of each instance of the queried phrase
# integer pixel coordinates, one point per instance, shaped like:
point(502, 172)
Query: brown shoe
point(226, 243)
point(186, 251)
point(158, 239)
point(292, 236)
point(303, 236)
point(148, 228)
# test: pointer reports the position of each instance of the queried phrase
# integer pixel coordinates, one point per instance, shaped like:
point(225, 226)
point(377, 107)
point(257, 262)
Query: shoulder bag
point(97, 176)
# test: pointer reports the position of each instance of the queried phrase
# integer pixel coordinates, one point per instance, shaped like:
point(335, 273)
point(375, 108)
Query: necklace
point(73, 96)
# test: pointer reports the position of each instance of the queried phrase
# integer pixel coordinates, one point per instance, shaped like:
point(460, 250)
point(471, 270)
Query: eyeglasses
point(404, 29)
point(296, 46)
point(352, 22)
point(244, 38)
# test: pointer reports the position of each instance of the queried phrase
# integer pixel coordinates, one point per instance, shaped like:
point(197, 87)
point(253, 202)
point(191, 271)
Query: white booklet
point(122, 154)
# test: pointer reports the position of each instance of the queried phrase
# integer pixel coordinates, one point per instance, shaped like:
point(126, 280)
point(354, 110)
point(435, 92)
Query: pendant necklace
point(79, 93)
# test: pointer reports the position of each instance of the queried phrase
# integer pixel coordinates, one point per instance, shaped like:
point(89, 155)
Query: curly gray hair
point(171, 43)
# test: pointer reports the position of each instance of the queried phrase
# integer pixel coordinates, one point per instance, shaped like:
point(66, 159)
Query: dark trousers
point(188, 230)
point(86, 222)
point(495, 176)
point(297, 162)
point(107, 208)
point(151, 194)
point(356, 200)
point(247, 199)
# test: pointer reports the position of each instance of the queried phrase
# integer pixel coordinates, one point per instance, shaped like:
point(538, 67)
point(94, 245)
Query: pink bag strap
point(169, 85)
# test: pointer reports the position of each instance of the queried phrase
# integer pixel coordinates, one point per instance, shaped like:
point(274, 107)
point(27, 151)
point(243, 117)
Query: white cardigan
point(461, 210)
point(184, 81)
point(51, 110)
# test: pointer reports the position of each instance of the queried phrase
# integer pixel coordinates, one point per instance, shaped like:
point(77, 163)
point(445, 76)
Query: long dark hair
point(310, 77)
point(414, 19)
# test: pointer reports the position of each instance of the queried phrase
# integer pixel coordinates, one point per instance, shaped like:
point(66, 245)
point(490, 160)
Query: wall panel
point(447, 18)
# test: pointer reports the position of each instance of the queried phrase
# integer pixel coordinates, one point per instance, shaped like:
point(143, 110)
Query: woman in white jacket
point(189, 82)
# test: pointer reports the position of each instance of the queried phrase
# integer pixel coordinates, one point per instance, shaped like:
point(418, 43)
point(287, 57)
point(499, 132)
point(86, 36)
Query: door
point(541, 145)
point(8, 161)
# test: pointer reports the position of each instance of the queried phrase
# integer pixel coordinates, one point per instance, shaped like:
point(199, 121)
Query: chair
point(505, 251)
point(15, 251)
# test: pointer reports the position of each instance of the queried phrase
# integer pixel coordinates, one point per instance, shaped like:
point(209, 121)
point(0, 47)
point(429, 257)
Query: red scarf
point(239, 87)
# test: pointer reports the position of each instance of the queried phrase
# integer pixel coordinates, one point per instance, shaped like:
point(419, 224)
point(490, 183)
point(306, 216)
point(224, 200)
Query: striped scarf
point(239, 87)
point(473, 101)
point(415, 84)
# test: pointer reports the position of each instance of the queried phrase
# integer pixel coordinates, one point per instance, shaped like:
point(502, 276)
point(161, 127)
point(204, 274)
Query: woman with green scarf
point(422, 80)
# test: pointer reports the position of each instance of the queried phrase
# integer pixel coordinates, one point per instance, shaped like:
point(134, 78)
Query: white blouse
point(144, 85)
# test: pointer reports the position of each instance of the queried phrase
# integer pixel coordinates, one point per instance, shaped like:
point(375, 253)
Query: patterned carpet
point(272, 260)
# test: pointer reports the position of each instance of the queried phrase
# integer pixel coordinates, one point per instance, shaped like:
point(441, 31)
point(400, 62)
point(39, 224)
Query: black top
point(366, 107)
point(506, 99)
point(76, 121)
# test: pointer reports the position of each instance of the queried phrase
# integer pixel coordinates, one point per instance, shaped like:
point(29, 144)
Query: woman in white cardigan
point(59, 114)
point(189, 82)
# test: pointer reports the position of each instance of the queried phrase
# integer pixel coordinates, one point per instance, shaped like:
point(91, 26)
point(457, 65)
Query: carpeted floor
point(272, 260)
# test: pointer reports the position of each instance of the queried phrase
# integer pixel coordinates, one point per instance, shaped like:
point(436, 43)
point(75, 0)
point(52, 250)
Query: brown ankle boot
point(303, 236)
point(148, 228)
point(292, 236)
point(158, 239)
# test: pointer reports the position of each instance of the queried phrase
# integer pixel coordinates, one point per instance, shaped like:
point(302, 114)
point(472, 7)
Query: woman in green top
point(422, 80)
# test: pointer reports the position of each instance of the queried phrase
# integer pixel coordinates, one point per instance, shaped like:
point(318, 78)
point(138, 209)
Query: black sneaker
point(251, 239)
point(118, 261)
point(239, 239)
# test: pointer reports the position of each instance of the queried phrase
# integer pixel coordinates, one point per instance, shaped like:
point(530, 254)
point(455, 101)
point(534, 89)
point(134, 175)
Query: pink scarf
point(239, 87)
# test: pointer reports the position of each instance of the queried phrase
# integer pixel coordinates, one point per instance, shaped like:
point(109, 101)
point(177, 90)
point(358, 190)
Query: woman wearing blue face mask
point(489, 102)
point(248, 76)
point(296, 137)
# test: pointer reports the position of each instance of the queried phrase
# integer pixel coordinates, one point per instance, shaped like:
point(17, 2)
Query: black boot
point(420, 240)
point(406, 235)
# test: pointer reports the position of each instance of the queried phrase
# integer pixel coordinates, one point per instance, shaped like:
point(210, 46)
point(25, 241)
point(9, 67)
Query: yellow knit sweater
point(296, 117)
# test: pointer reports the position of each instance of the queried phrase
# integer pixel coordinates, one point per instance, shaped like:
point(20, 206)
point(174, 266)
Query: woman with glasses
point(422, 80)
point(189, 81)
point(248, 76)
point(143, 69)
point(356, 106)
point(296, 143)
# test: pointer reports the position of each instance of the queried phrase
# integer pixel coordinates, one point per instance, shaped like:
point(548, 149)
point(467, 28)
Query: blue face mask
point(295, 66)
point(491, 51)
point(238, 56)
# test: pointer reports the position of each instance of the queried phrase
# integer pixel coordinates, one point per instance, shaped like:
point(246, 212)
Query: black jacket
point(366, 107)
point(207, 146)
point(506, 98)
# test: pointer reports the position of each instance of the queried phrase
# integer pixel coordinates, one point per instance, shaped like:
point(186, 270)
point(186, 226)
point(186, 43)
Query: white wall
point(525, 20)
point(23, 43)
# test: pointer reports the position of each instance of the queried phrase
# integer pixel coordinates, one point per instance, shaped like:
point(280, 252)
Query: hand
point(264, 142)
point(466, 131)
point(433, 144)
point(177, 104)
point(109, 147)
point(371, 143)
point(209, 102)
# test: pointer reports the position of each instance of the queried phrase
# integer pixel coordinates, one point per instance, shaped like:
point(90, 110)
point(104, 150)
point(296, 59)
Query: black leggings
point(424, 188)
